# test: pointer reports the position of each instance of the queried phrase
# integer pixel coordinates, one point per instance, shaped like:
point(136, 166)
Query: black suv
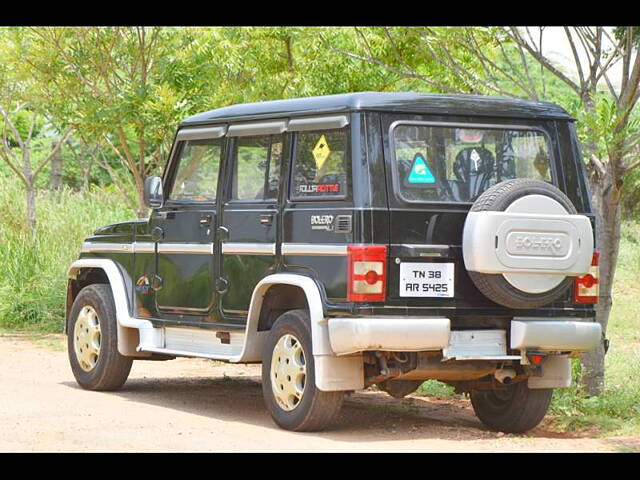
point(350, 240)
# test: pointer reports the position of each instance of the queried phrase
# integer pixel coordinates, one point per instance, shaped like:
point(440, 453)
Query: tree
point(513, 62)
point(109, 84)
point(128, 88)
point(23, 120)
point(22, 163)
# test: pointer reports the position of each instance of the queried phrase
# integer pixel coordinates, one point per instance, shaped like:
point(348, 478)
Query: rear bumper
point(410, 334)
point(554, 335)
point(350, 335)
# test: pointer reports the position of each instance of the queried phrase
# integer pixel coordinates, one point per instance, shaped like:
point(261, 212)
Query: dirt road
point(200, 405)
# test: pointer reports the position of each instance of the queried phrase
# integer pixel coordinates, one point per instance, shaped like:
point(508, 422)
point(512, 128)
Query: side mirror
point(153, 196)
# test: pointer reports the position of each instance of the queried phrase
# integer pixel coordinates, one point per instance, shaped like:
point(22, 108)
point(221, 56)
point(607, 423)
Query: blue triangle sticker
point(420, 172)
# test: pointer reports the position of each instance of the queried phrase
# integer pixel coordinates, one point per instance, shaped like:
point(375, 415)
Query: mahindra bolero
point(353, 240)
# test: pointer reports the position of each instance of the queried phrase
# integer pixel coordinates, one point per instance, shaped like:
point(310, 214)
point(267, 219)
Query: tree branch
point(513, 33)
point(12, 127)
point(53, 152)
point(576, 58)
point(410, 74)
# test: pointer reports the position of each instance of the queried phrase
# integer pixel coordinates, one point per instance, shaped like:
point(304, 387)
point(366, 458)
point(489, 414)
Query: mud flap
point(556, 373)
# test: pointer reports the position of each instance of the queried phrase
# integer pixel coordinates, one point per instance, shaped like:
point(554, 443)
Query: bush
point(34, 274)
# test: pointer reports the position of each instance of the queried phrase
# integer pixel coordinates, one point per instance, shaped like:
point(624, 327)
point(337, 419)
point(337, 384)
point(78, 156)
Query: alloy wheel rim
point(87, 338)
point(288, 372)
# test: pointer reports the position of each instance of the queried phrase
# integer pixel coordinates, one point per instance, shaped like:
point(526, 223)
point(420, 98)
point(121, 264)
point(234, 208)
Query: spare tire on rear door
point(523, 242)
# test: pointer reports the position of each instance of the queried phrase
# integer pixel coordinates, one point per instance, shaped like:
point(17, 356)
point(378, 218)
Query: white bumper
point(349, 335)
point(402, 334)
point(554, 335)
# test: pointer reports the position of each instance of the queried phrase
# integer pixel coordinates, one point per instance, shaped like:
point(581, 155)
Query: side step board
point(195, 342)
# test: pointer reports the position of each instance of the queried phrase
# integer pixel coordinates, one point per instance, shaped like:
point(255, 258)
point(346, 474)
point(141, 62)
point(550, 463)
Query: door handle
point(266, 218)
point(223, 233)
point(157, 234)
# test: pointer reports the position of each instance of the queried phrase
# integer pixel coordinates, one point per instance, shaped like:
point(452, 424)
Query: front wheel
point(93, 341)
point(288, 377)
point(512, 409)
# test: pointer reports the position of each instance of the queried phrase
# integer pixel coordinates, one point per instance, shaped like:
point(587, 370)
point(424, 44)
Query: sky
point(556, 46)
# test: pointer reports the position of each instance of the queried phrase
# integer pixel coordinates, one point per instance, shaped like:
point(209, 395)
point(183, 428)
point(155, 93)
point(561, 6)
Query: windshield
point(452, 164)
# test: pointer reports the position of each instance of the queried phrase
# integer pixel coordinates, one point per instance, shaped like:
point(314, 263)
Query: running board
point(195, 342)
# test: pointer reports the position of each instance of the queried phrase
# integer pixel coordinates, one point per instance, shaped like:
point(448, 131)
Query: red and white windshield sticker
point(319, 188)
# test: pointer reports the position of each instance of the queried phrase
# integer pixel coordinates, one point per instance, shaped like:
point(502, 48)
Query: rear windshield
point(451, 164)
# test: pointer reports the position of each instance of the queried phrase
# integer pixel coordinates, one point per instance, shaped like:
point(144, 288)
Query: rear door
point(250, 217)
point(437, 168)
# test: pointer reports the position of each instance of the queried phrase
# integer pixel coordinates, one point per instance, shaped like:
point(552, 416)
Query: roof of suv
point(386, 101)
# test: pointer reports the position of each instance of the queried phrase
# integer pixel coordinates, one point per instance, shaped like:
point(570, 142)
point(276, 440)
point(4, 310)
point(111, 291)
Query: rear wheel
point(512, 409)
point(288, 377)
point(93, 343)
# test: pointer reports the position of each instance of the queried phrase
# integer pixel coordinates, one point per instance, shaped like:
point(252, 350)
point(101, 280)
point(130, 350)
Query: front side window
point(320, 166)
point(256, 171)
point(454, 164)
point(196, 178)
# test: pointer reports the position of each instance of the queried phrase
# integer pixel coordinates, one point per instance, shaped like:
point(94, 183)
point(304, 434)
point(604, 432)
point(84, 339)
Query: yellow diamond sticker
point(321, 152)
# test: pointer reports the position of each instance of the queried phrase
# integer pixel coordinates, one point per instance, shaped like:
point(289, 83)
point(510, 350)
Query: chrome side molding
point(314, 249)
point(186, 248)
point(237, 248)
point(147, 247)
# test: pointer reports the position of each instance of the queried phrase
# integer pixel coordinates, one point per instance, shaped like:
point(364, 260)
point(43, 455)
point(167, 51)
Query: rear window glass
point(320, 167)
point(454, 164)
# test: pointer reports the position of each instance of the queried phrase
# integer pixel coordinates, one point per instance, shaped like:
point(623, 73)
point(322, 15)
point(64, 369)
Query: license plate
point(426, 279)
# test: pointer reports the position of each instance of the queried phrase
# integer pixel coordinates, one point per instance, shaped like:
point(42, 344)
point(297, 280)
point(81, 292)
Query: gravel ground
point(200, 405)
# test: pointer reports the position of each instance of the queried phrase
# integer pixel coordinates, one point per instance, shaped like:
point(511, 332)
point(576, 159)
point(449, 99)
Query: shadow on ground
point(370, 414)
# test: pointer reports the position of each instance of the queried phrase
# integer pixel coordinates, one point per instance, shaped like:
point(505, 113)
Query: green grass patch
point(434, 388)
point(33, 279)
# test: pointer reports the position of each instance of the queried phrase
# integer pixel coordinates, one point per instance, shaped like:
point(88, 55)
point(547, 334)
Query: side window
point(196, 178)
point(320, 166)
point(256, 170)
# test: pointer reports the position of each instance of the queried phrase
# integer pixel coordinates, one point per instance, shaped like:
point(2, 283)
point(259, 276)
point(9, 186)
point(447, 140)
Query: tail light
point(585, 288)
point(366, 273)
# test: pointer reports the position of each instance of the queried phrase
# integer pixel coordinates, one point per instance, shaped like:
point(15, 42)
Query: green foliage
point(34, 273)
point(434, 388)
point(631, 196)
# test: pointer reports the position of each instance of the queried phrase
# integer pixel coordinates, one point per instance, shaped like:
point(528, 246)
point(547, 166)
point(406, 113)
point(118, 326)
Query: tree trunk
point(31, 206)
point(142, 208)
point(606, 203)
point(30, 190)
point(56, 169)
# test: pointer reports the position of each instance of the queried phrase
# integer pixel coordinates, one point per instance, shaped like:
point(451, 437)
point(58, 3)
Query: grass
point(34, 268)
point(617, 411)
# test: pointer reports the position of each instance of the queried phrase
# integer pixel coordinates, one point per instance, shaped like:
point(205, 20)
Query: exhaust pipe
point(505, 375)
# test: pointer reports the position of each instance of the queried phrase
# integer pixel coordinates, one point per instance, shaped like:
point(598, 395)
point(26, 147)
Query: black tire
point(111, 368)
point(400, 388)
point(494, 286)
point(315, 409)
point(513, 409)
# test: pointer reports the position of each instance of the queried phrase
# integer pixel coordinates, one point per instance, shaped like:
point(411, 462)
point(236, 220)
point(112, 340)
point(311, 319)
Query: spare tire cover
point(520, 290)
